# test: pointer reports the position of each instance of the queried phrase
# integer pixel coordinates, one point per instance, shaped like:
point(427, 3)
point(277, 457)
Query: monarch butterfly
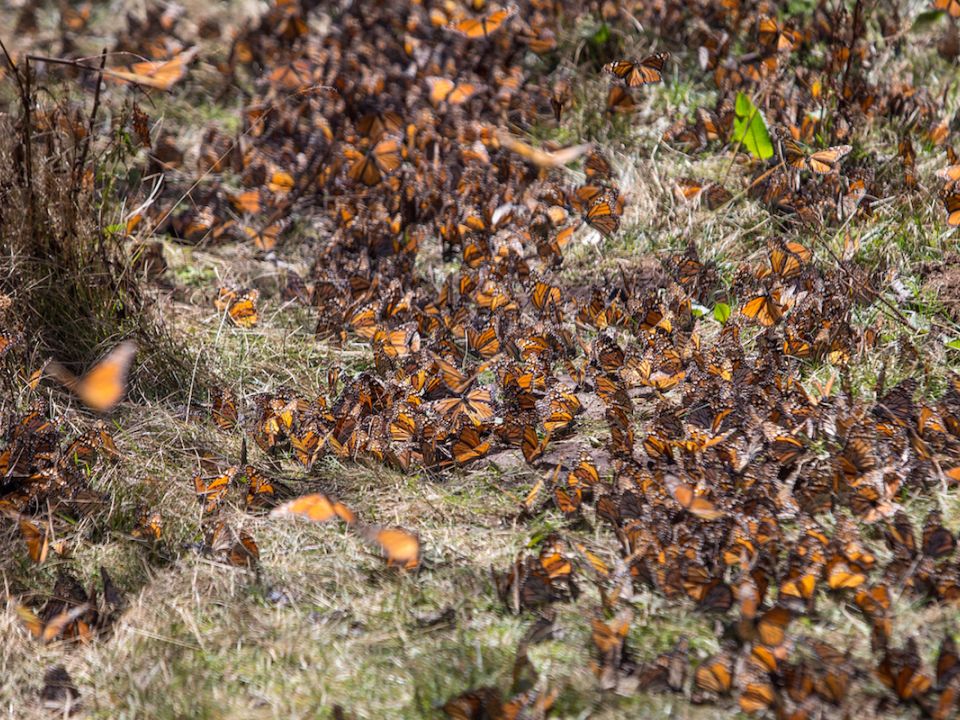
point(937, 540)
point(403, 428)
point(398, 343)
point(224, 409)
point(715, 675)
point(821, 162)
point(244, 552)
point(772, 626)
point(452, 378)
point(950, 173)
point(568, 500)
point(37, 540)
point(9, 341)
point(713, 127)
point(249, 202)
point(619, 100)
point(264, 238)
point(483, 27)
point(560, 97)
point(634, 74)
point(484, 342)
point(802, 587)
point(53, 628)
point(212, 490)
point(585, 473)
point(756, 697)
point(775, 36)
point(531, 445)
point(444, 90)
point(712, 195)
point(544, 294)
point(482, 702)
point(951, 201)
point(468, 446)
point(841, 577)
point(689, 500)
point(306, 446)
point(597, 167)
point(909, 157)
point(315, 507)
point(900, 670)
point(948, 662)
point(786, 448)
point(787, 259)
point(541, 158)
point(381, 159)
point(376, 124)
point(241, 307)
point(602, 218)
point(160, 75)
point(149, 525)
point(608, 638)
point(105, 383)
point(402, 548)
point(476, 405)
point(952, 7)
point(765, 309)
point(259, 489)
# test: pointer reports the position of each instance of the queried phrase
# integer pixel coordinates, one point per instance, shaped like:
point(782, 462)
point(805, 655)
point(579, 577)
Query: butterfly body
point(636, 73)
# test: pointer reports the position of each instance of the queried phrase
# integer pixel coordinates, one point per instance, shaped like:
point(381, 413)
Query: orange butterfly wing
point(105, 383)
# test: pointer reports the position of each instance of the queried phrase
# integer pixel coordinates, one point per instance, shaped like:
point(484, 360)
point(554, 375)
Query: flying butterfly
point(315, 507)
point(636, 73)
point(47, 630)
point(105, 383)
point(690, 501)
point(401, 548)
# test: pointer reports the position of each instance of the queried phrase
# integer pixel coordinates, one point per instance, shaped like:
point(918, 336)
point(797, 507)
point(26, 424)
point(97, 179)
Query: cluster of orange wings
point(729, 484)
point(38, 469)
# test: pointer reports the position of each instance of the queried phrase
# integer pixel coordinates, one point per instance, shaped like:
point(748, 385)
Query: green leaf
point(954, 344)
point(721, 313)
point(750, 130)
point(924, 20)
point(601, 35)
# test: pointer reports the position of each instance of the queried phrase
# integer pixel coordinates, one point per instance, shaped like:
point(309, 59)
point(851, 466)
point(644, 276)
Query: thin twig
point(82, 160)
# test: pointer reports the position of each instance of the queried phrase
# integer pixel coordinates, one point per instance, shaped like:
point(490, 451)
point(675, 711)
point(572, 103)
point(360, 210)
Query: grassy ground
point(320, 621)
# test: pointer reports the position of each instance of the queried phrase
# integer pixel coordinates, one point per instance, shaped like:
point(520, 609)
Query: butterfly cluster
point(726, 480)
point(45, 489)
